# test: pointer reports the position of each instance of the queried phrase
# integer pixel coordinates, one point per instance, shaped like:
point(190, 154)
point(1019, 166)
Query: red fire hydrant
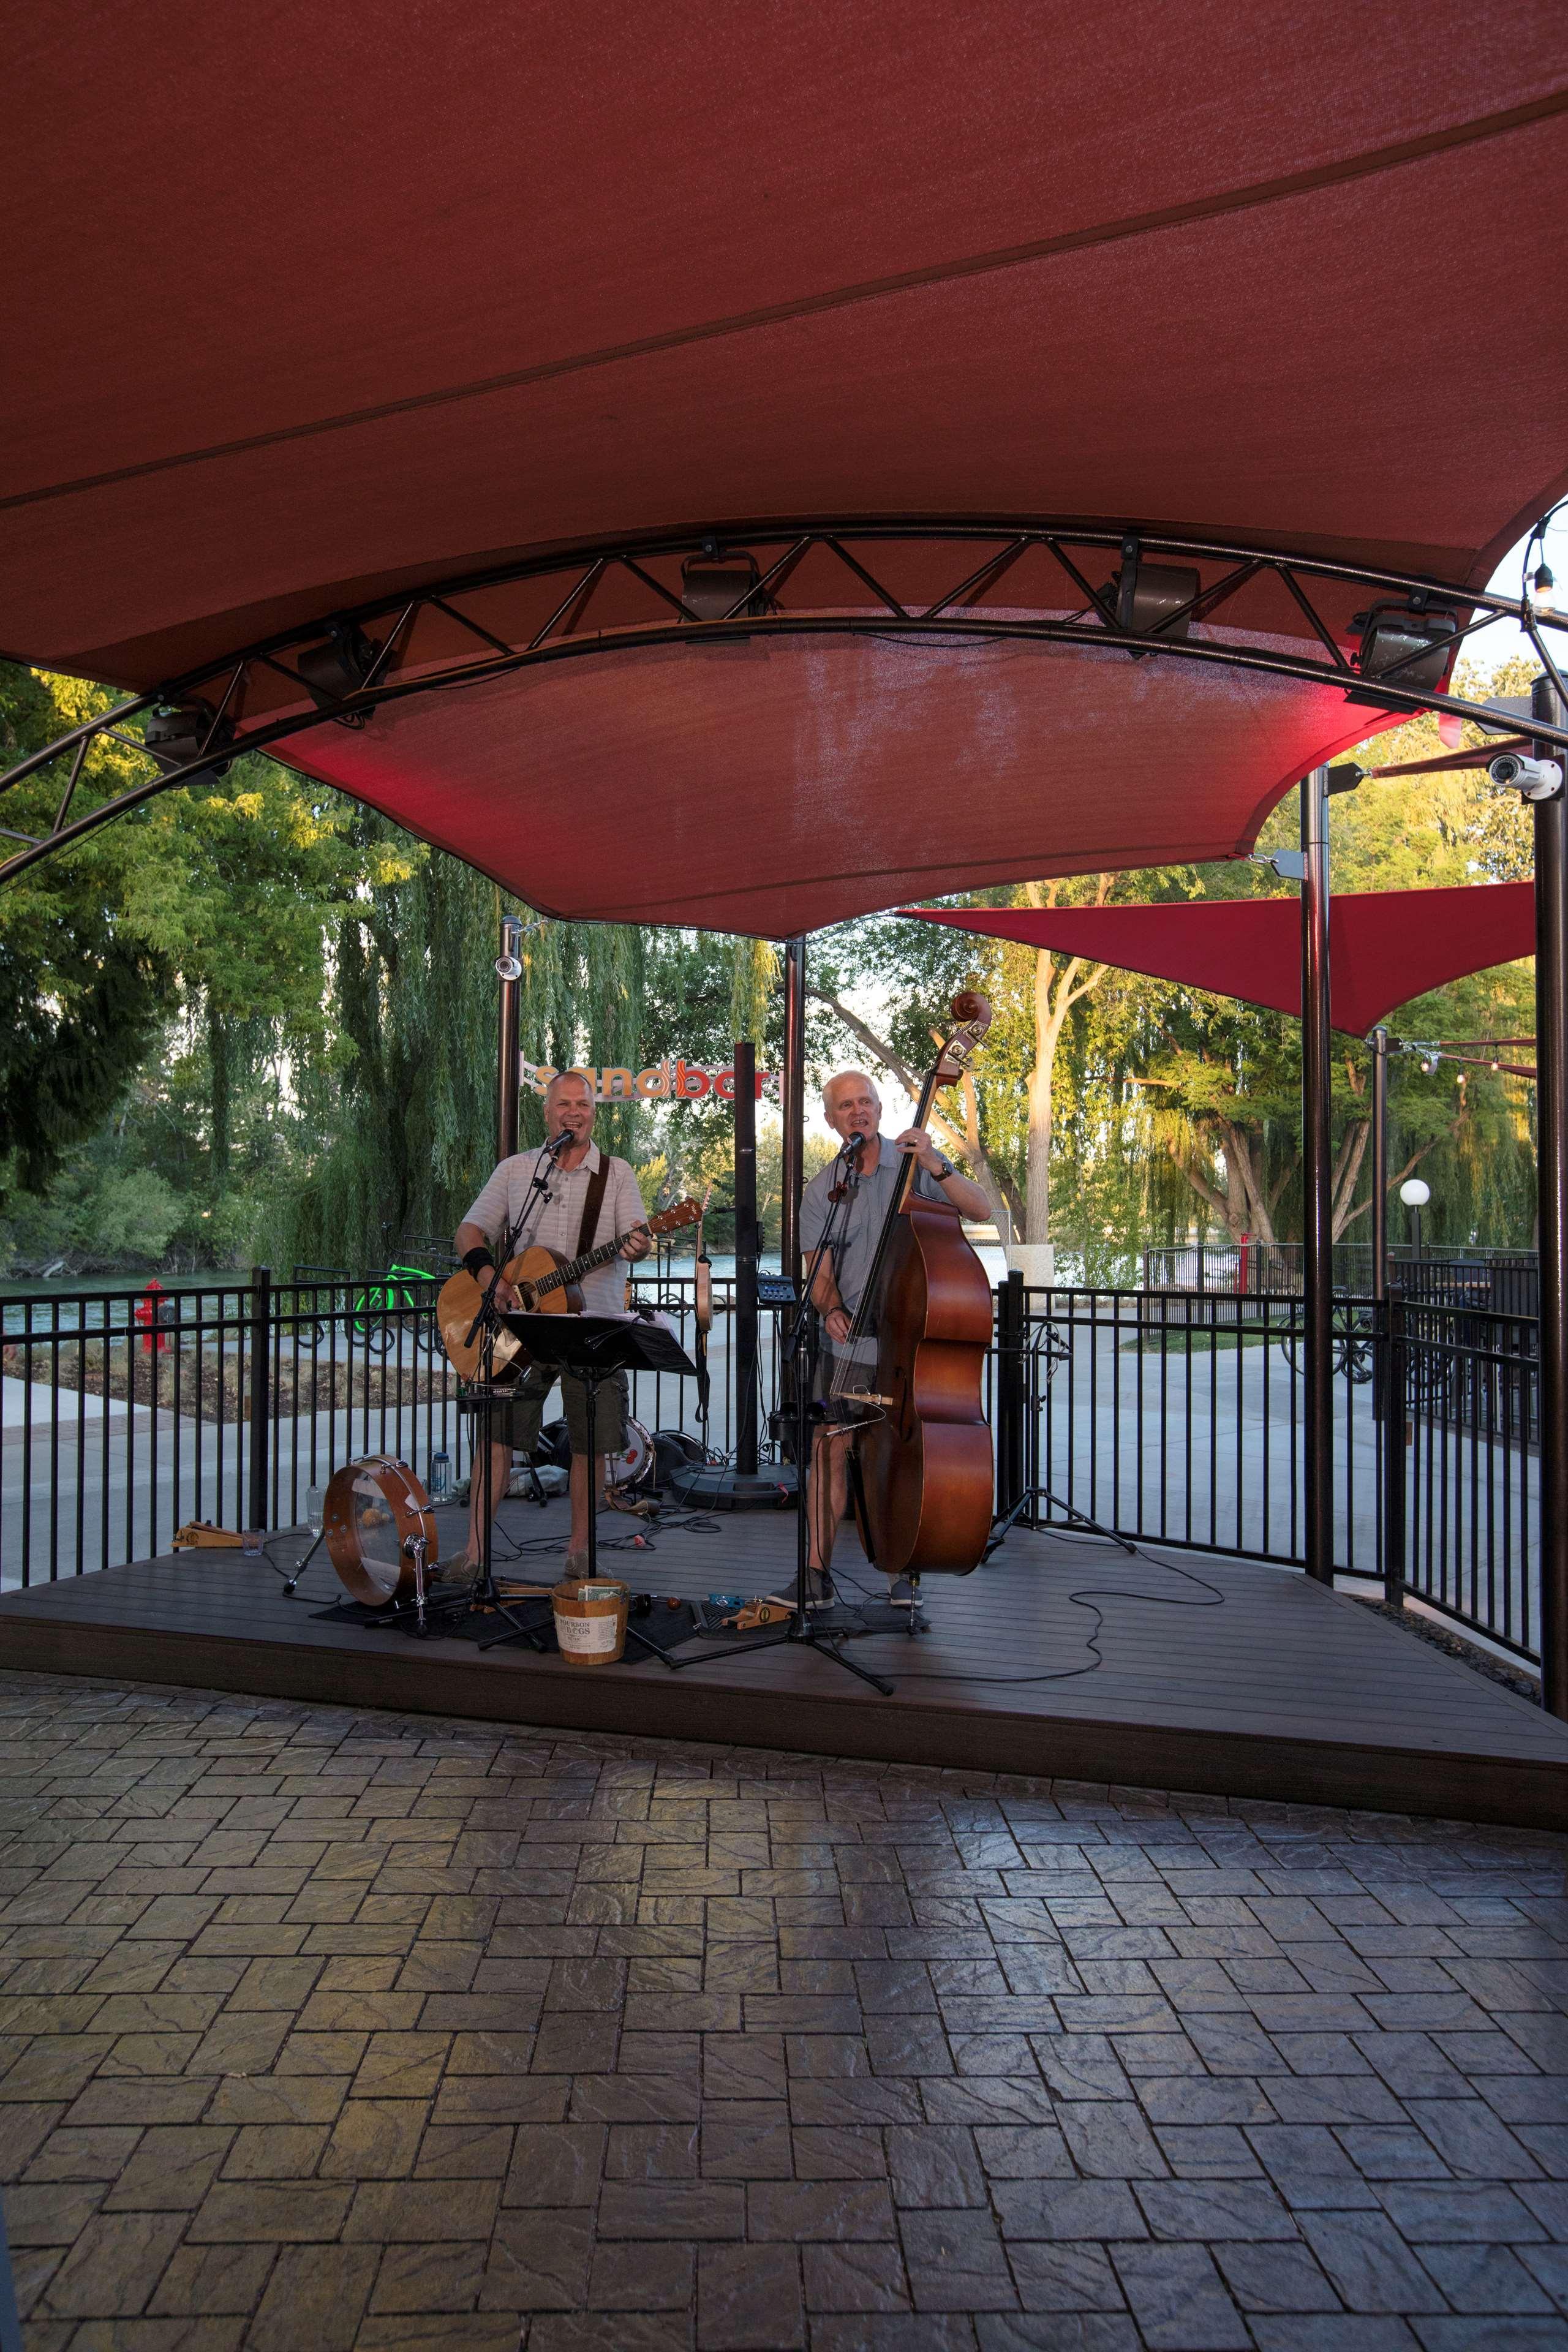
point(149, 1316)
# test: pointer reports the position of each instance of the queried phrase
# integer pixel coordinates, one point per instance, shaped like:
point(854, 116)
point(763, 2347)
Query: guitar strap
point(592, 1203)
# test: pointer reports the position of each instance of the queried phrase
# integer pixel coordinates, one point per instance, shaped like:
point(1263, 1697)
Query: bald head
point(851, 1103)
point(569, 1104)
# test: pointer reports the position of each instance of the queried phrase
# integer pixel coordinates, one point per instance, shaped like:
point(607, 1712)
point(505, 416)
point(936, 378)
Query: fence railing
point(1173, 1416)
point(128, 1413)
point(1176, 1417)
point(1462, 1522)
point(1504, 1279)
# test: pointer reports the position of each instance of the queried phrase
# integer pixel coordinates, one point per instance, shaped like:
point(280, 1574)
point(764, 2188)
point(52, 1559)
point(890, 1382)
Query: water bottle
point(440, 1476)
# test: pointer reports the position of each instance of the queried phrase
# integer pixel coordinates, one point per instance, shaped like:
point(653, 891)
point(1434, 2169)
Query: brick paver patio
point(322, 2030)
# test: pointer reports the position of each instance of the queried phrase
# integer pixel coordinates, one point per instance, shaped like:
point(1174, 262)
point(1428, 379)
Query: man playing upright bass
point(853, 1108)
point(566, 1195)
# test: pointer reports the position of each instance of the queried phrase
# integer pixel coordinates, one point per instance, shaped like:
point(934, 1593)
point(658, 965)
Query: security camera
point(1538, 780)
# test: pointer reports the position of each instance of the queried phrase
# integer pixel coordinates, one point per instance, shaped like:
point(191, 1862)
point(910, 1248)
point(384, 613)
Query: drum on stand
point(375, 1508)
point(633, 1467)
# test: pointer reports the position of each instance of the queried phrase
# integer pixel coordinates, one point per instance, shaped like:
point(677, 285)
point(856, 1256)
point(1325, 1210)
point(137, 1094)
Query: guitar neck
point(605, 1251)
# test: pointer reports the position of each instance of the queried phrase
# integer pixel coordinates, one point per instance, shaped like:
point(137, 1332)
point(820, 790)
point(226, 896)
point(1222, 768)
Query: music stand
point(592, 1349)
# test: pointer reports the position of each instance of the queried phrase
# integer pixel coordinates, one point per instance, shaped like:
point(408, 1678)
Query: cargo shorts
point(518, 1423)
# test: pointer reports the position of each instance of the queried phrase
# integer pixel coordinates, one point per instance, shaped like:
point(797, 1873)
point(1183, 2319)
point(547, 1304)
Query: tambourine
point(375, 1510)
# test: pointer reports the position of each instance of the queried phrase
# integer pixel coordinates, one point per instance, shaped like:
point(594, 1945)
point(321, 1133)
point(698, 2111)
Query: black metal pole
point(507, 1071)
point(793, 1104)
point(745, 1259)
point(1317, 1172)
point(1382, 1346)
point(1380, 1162)
point(1552, 1177)
point(260, 1390)
point(1392, 1316)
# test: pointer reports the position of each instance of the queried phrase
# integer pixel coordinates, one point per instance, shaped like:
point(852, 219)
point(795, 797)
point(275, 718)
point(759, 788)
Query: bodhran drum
point(373, 1507)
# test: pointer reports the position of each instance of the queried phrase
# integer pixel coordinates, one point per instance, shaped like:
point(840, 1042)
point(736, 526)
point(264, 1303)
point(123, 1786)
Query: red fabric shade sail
point(1386, 946)
point(309, 308)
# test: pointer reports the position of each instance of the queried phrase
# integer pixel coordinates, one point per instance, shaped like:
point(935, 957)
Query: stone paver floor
point(324, 2029)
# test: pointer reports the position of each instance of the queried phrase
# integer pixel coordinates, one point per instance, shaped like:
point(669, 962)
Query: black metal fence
point(1462, 1510)
point(1176, 1417)
point(1504, 1279)
point(128, 1413)
point(1173, 1416)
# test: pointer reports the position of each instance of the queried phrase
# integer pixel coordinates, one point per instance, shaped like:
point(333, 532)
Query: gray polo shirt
point(860, 1219)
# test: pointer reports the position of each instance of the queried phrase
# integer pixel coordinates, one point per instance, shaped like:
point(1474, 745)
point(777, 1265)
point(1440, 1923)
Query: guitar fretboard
point(578, 1266)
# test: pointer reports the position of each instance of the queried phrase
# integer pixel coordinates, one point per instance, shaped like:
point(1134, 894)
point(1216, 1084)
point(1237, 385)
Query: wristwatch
point(946, 1169)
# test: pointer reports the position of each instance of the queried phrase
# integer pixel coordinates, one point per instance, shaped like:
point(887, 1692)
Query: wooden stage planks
point(1277, 1689)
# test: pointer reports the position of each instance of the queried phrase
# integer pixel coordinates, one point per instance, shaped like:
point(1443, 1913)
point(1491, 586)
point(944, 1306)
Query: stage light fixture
point(178, 732)
point(1147, 594)
point(338, 668)
point(1409, 639)
point(713, 585)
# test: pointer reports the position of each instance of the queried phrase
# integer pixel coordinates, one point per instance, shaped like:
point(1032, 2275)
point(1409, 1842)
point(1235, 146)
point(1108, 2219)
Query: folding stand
point(592, 1349)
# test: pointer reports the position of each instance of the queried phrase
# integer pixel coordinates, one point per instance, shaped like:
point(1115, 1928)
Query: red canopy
point(309, 308)
point(1386, 946)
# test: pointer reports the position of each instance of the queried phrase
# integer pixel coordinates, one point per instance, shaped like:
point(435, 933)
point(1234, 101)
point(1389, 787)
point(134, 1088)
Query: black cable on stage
point(1084, 1596)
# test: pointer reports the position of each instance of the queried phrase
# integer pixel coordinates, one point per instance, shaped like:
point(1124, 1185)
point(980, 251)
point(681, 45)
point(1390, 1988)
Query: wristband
point(474, 1259)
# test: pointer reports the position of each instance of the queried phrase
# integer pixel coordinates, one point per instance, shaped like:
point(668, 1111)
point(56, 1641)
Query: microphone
point(558, 1143)
point(852, 1147)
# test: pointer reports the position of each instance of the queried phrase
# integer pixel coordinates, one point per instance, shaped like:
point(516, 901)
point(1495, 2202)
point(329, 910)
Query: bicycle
point(376, 1315)
point(1354, 1349)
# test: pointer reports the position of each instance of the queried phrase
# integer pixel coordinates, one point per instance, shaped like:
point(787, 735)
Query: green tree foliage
point(84, 986)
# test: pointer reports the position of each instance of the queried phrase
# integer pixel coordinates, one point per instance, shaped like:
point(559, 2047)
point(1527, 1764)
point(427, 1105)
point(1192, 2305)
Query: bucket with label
point(591, 1621)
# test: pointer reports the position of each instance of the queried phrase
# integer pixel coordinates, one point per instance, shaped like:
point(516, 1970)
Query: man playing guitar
point(584, 1193)
point(853, 1108)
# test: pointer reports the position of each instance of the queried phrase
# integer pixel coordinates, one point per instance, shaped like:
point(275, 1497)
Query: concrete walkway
point(384, 2032)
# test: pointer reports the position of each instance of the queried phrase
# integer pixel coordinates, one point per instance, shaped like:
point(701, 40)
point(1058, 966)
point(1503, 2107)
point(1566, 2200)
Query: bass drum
point(374, 1509)
point(633, 1467)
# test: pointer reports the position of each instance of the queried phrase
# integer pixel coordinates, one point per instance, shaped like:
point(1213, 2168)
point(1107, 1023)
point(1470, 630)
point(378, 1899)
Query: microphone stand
point(813, 1629)
point(483, 1400)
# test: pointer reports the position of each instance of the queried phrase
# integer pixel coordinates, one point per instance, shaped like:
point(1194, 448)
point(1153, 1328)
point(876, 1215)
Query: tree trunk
point(219, 1094)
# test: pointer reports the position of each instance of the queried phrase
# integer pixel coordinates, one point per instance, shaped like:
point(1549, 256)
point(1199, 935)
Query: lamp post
point(509, 971)
point(1380, 1162)
point(1416, 1193)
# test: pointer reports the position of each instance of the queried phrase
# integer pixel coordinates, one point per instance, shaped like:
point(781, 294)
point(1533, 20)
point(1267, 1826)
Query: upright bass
point(915, 1355)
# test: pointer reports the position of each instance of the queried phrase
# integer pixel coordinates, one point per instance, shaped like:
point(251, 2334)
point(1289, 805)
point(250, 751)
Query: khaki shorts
point(518, 1425)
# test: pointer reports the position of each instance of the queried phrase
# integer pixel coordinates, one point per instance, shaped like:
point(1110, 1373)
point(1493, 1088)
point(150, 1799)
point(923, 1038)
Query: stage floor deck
point(1059, 1657)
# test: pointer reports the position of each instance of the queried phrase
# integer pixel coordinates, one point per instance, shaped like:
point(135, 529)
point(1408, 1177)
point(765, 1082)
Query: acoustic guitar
point(546, 1284)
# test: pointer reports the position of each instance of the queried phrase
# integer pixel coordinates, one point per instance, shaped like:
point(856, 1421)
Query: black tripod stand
point(820, 1628)
point(1016, 1354)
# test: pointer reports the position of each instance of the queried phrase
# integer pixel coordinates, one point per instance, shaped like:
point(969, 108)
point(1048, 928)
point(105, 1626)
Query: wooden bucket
point(591, 1633)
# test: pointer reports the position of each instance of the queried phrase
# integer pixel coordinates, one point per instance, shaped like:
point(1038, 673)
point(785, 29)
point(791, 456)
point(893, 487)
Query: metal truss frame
point(775, 550)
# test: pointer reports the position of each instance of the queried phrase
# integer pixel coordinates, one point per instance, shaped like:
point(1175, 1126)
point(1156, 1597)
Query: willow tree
point(404, 1101)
